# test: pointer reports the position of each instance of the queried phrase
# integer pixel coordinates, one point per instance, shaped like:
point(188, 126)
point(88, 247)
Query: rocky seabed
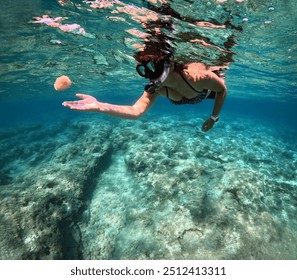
point(151, 189)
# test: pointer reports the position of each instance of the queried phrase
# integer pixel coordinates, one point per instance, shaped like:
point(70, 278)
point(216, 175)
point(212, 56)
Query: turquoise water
point(85, 186)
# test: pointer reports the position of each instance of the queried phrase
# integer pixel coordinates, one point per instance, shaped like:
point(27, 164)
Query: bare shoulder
point(147, 98)
point(195, 71)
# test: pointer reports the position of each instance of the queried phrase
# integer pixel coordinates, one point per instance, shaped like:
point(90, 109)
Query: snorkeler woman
point(182, 83)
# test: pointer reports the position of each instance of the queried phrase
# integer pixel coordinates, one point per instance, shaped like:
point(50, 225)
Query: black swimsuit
point(201, 95)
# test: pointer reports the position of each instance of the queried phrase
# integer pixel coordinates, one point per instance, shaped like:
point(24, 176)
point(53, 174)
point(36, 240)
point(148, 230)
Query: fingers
point(69, 104)
point(66, 104)
point(208, 124)
point(72, 106)
point(86, 104)
point(205, 128)
point(83, 96)
point(79, 95)
point(76, 104)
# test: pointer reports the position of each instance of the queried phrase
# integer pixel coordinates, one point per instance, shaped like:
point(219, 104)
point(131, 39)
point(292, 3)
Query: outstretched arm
point(89, 103)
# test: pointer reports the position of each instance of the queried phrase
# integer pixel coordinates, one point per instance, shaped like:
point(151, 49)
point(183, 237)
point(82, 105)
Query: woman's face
point(150, 69)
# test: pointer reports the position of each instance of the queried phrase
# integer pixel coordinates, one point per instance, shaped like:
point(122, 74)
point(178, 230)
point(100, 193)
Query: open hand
point(88, 103)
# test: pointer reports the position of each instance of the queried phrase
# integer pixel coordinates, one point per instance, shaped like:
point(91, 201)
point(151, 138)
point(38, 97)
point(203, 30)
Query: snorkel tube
point(156, 71)
point(158, 81)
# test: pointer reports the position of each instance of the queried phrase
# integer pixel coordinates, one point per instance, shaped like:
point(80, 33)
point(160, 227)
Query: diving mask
point(155, 71)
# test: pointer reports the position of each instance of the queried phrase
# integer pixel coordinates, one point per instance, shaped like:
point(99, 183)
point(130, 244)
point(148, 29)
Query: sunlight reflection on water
point(94, 42)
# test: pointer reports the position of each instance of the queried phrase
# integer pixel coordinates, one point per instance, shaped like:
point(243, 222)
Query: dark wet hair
point(153, 51)
point(158, 52)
